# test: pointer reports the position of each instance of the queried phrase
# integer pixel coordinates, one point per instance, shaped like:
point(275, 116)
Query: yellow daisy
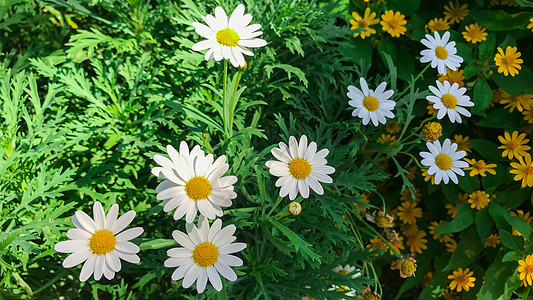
point(530, 26)
point(411, 176)
point(428, 177)
point(514, 145)
point(462, 143)
point(417, 242)
point(408, 212)
point(526, 270)
point(393, 22)
point(409, 229)
point(520, 213)
point(364, 23)
point(392, 127)
point(431, 110)
point(509, 3)
point(520, 102)
point(428, 278)
point(451, 245)
point(396, 244)
point(508, 62)
point(452, 77)
point(455, 13)
point(431, 132)
point(523, 170)
point(496, 97)
point(376, 244)
point(387, 139)
point(407, 196)
point(474, 33)
point(437, 24)
point(528, 115)
point(479, 167)
point(462, 280)
point(364, 199)
point(492, 241)
point(452, 209)
point(478, 200)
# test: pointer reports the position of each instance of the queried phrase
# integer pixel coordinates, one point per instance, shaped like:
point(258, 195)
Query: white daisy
point(206, 253)
point(299, 168)
point(449, 100)
point(228, 38)
point(371, 105)
point(99, 242)
point(441, 54)
point(346, 270)
point(193, 182)
point(444, 161)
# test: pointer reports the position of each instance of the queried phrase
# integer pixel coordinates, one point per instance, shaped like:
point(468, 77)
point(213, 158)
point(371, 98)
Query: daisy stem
point(281, 215)
point(414, 80)
point(274, 207)
point(232, 107)
point(224, 96)
point(412, 156)
point(421, 124)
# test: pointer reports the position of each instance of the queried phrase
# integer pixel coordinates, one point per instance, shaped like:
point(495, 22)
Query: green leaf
point(487, 149)
point(492, 182)
point(482, 96)
point(497, 213)
point(500, 20)
point(486, 48)
point(467, 251)
point(512, 197)
point(156, 243)
point(269, 69)
point(515, 85)
point(283, 246)
point(510, 241)
point(468, 184)
point(483, 223)
point(300, 245)
point(406, 7)
point(510, 256)
point(193, 113)
point(464, 218)
point(494, 286)
point(500, 118)
point(471, 70)
point(519, 224)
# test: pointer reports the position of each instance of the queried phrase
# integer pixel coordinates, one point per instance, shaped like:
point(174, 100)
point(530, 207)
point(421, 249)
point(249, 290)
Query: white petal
point(214, 278)
point(225, 271)
point(85, 221)
point(71, 246)
point(77, 257)
point(123, 222)
point(88, 268)
point(99, 215)
point(127, 247)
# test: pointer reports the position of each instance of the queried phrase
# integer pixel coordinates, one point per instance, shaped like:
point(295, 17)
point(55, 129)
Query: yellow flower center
point(512, 145)
point(479, 165)
point(343, 272)
point(449, 101)
point(102, 242)
point(370, 103)
point(394, 23)
point(529, 269)
point(443, 161)
point(205, 254)
point(381, 221)
point(509, 60)
point(227, 37)
point(408, 267)
point(198, 188)
point(363, 24)
point(300, 168)
point(529, 170)
point(441, 53)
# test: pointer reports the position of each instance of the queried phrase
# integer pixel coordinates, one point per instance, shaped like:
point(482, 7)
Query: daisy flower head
point(523, 170)
point(300, 167)
point(508, 62)
point(450, 100)
point(206, 252)
point(100, 242)
point(417, 241)
point(440, 52)
point(462, 280)
point(444, 161)
point(492, 241)
point(525, 269)
point(370, 104)
point(480, 167)
point(228, 37)
point(393, 23)
point(437, 24)
point(455, 13)
point(514, 145)
point(364, 23)
point(347, 269)
point(193, 183)
point(453, 77)
point(474, 33)
point(521, 102)
point(530, 25)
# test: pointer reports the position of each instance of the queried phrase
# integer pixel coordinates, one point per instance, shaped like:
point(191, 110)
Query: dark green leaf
point(464, 218)
point(482, 96)
point(467, 251)
point(510, 241)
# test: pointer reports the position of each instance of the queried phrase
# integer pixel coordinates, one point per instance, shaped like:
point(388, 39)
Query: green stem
point(232, 111)
point(421, 124)
point(412, 156)
point(224, 96)
point(274, 207)
point(413, 82)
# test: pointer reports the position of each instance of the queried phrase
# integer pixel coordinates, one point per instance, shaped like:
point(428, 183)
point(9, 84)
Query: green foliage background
point(91, 90)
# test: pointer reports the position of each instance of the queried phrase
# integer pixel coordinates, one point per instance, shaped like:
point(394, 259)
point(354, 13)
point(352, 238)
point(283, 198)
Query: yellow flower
point(474, 33)
point(431, 132)
point(508, 62)
point(492, 240)
point(462, 143)
point(406, 265)
point(523, 170)
point(530, 26)
point(392, 127)
point(478, 200)
point(479, 167)
point(528, 115)
point(376, 244)
point(437, 24)
point(431, 110)
point(520, 213)
point(453, 77)
point(364, 23)
point(387, 139)
point(364, 199)
point(514, 145)
point(411, 176)
point(393, 22)
point(451, 245)
point(408, 212)
point(417, 242)
point(368, 294)
point(452, 210)
point(407, 196)
point(428, 177)
point(520, 102)
point(462, 280)
point(496, 96)
point(396, 244)
point(509, 3)
point(381, 219)
point(428, 278)
point(455, 14)
point(526, 270)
